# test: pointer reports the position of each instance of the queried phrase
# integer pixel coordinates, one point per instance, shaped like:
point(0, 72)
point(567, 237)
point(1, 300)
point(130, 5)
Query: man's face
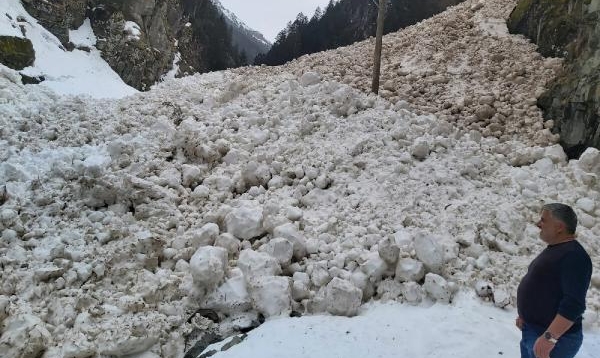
point(550, 228)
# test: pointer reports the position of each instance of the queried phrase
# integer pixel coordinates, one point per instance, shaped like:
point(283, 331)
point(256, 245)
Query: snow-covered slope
point(265, 192)
point(236, 22)
point(66, 72)
point(246, 39)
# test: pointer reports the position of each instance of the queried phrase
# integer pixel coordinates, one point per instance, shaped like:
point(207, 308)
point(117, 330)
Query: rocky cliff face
point(568, 29)
point(141, 39)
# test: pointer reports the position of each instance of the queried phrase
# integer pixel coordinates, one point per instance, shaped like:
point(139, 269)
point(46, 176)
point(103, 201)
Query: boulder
point(271, 295)
point(343, 298)
point(437, 288)
point(16, 53)
point(429, 251)
point(409, 270)
point(208, 266)
point(24, 336)
point(255, 264)
point(245, 222)
point(290, 231)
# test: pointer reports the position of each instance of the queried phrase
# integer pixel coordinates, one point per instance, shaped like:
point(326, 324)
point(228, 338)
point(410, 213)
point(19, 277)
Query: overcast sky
point(269, 17)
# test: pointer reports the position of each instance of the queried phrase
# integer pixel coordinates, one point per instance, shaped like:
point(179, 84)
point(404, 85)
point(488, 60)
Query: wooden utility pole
point(378, 41)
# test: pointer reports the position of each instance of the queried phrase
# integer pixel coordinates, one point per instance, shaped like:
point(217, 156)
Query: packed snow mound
point(461, 65)
point(133, 214)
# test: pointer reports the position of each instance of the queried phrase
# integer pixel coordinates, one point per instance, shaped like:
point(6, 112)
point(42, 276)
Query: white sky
point(270, 16)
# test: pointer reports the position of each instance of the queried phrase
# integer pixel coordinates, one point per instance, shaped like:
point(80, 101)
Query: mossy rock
point(16, 53)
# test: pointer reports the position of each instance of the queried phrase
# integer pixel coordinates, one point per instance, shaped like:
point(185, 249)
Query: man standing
point(551, 296)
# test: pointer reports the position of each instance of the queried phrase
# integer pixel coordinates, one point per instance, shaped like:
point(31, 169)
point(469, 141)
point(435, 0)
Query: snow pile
point(198, 209)
point(461, 65)
point(255, 196)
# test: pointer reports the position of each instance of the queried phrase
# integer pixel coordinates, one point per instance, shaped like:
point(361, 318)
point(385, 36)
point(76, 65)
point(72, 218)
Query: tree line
point(344, 22)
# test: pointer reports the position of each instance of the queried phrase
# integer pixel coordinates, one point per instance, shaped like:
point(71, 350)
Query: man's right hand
point(519, 322)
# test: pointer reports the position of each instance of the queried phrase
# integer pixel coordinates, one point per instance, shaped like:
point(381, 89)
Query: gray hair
point(563, 213)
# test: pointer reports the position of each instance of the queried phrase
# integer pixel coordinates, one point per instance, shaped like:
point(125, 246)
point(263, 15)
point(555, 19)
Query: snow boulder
point(437, 288)
point(409, 270)
point(374, 266)
point(309, 79)
point(255, 264)
point(228, 242)
point(429, 251)
point(290, 232)
point(24, 336)
point(205, 236)
point(388, 251)
point(343, 298)
point(589, 161)
point(271, 295)
point(510, 222)
point(412, 292)
point(245, 222)
point(231, 297)
point(300, 286)
point(208, 266)
point(281, 249)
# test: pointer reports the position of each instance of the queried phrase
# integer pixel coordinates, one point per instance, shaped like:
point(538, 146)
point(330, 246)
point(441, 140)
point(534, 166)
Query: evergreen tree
point(345, 22)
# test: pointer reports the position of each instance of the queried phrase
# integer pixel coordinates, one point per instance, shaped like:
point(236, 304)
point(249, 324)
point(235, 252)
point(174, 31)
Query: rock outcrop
point(58, 16)
point(16, 53)
point(569, 29)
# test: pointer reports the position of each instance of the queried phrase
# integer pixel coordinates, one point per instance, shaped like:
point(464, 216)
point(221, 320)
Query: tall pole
point(378, 41)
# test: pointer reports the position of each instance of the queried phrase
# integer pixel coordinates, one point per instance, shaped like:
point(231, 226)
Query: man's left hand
point(542, 348)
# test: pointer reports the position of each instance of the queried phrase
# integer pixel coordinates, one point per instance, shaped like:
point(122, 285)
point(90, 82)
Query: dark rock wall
point(568, 29)
point(58, 16)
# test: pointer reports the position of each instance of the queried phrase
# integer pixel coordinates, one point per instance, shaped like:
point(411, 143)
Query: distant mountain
point(345, 22)
point(250, 42)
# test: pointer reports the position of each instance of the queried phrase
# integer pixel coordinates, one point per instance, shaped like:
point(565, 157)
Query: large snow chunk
point(208, 266)
point(430, 252)
point(290, 232)
point(228, 242)
point(24, 336)
point(281, 249)
point(343, 298)
point(412, 292)
point(409, 270)
point(255, 174)
point(589, 161)
point(205, 236)
point(254, 264)
point(300, 286)
point(509, 221)
point(94, 165)
point(231, 297)
point(437, 288)
point(388, 251)
point(556, 153)
point(310, 78)
point(374, 266)
point(245, 222)
point(271, 295)
point(586, 204)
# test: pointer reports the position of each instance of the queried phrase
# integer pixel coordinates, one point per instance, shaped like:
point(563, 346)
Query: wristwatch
point(549, 338)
